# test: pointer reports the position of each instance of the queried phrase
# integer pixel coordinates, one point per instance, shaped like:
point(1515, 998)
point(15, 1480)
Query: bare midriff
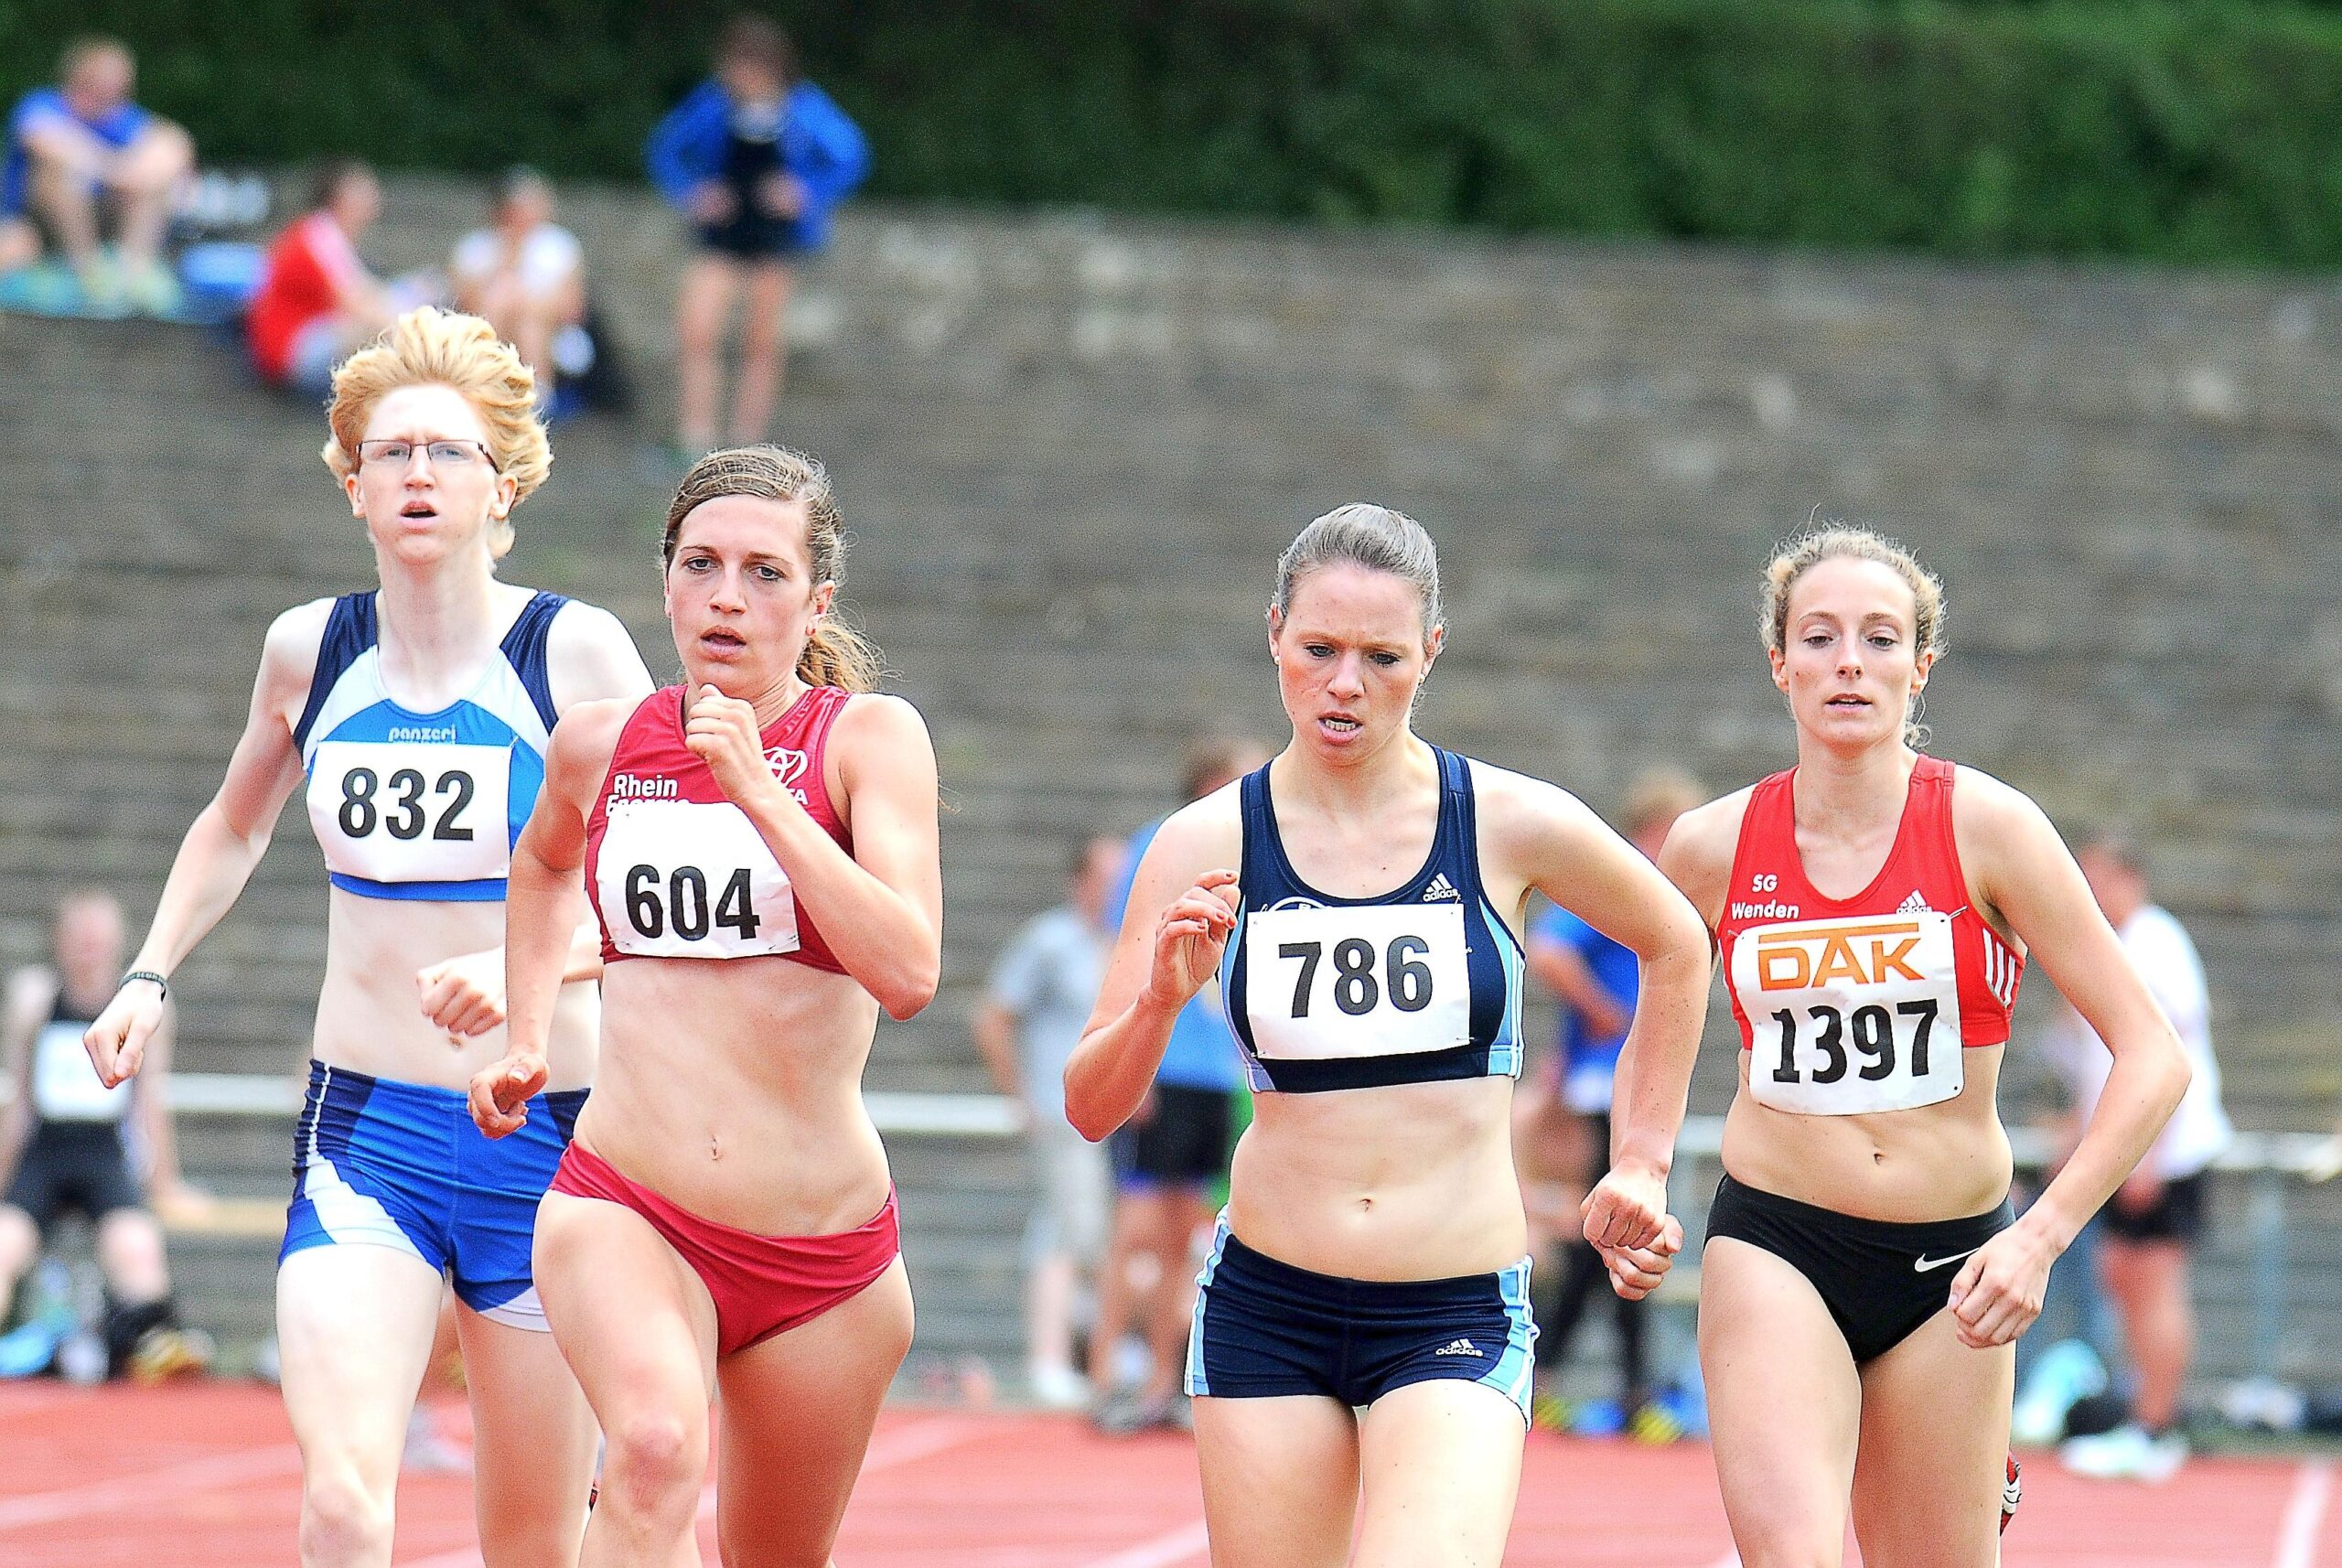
point(369, 1012)
point(1945, 1161)
point(1405, 1182)
point(733, 1087)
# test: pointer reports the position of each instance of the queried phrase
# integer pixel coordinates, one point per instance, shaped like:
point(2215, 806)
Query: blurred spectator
point(63, 1143)
point(1565, 1126)
point(2151, 1223)
point(525, 275)
point(1167, 1160)
point(317, 300)
point(757, 158)
point(82, 157)
point(1042, 991)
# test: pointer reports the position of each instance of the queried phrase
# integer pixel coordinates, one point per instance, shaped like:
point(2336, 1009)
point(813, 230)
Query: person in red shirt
point(759, 845)
point(316, 302)
point(1864, 1282)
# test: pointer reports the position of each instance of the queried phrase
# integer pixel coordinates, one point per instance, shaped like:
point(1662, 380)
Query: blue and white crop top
point(1415, 986)
point(410, 805)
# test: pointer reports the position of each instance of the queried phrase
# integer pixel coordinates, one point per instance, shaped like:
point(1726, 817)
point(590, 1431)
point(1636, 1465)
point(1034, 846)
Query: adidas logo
point(1441, 887)
point(1914, 904)
point(1457, 1347)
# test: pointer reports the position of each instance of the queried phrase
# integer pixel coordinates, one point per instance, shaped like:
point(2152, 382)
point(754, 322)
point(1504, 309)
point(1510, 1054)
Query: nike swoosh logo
point(1921, 1264)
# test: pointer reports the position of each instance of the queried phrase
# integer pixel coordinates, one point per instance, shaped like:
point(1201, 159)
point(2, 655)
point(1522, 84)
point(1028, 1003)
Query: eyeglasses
point(441, 454)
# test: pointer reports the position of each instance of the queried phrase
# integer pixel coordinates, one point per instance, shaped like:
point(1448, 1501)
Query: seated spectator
point(317, 300)
point(66, 1142)
point(525, 276)
point(83, 158)
point(756, 158)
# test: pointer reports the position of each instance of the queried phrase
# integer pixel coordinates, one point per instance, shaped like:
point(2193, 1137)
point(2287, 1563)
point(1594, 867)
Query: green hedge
point(2190, 131)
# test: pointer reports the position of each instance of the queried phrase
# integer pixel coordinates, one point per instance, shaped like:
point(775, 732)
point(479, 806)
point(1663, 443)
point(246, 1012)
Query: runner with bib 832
point(1360, 897)
point(1864, 1281)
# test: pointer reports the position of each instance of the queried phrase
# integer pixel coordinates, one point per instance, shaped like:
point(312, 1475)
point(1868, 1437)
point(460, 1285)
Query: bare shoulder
point(589, 731)
point(2001, 834)
point(592, 654)
point(1698, 854)
point(31, 989)
point(1507, 802)
point(1984, 805)
point(881, 724)
point(289, 652)
point(1203, 835)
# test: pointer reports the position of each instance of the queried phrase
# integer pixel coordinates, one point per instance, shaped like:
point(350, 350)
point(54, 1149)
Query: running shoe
point(2126, 1454)
point(164, 1352)
point(2012, 1493)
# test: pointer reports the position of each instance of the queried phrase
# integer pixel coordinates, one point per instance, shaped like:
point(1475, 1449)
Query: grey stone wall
point(1070, 451)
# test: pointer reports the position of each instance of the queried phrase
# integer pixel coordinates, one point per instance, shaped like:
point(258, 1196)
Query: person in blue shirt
point(1595, 980)
point(757, 158)
point(1168, 1159)
point(82, 154)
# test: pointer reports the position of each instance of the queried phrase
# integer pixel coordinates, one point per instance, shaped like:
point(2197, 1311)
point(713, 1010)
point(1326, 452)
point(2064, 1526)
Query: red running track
point(205, 1475)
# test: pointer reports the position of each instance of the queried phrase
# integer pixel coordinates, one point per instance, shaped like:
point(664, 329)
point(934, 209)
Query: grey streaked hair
point(1363, 534)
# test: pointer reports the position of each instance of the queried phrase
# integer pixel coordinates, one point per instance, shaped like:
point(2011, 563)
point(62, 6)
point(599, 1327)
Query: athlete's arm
point(1571, 855)
point(882, 905)
point(544, 895)
point(1563, 971)
point(588, 658)
point(2020, 868)
point(227, 840)
point(1176, 925)
point(32, 991)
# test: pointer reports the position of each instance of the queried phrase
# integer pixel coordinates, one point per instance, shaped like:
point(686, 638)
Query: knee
point(130, 1251)
point(163, 155)
point(654, 1461)
point(19, 1242)
point(343, 1520)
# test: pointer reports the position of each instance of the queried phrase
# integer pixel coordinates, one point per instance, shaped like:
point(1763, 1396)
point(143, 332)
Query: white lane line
point(1181, 1545)
point(2305, 1511)
point(900, 1446)
point(140, 1491)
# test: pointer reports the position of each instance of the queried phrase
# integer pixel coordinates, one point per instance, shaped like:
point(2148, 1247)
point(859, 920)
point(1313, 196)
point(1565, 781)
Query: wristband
point(161, 985)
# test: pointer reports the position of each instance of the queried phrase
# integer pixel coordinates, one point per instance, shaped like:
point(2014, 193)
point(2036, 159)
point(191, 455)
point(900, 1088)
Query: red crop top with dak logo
point(675, 869)
point(1850, 1006)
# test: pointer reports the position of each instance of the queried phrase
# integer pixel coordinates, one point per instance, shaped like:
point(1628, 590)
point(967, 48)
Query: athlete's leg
point(1171, 1317)
point(130, 1255)
point(639, 1329)
point(532, 1445)
point(702, 302)
point(353, 1329)
point(1134, 1223)
point(764, 353)
point(1280, 1480)
point(797, 1413)
point(19, 1249)
point(2148, 1281)
point(1440, 1464)
point(1784, 1407)
point(1934, 1452)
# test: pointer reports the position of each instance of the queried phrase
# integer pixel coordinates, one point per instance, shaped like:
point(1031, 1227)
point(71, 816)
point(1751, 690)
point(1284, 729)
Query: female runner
point(416, 715)
point(1359, 896)
point(760, 843)
point(1864, 1282)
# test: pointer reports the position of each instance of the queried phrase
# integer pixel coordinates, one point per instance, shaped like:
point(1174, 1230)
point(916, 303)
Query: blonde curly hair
point(429, 346)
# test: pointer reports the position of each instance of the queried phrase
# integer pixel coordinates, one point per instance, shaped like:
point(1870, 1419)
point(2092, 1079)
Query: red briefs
point(762, 1285)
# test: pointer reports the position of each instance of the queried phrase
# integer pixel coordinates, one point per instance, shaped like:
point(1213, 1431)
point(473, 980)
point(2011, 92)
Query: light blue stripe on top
point(1516, 1368)
point(1197, 1384)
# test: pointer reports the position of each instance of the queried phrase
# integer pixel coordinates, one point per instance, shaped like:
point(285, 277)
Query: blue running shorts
point(1264, 1328)
point(380, 1163)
